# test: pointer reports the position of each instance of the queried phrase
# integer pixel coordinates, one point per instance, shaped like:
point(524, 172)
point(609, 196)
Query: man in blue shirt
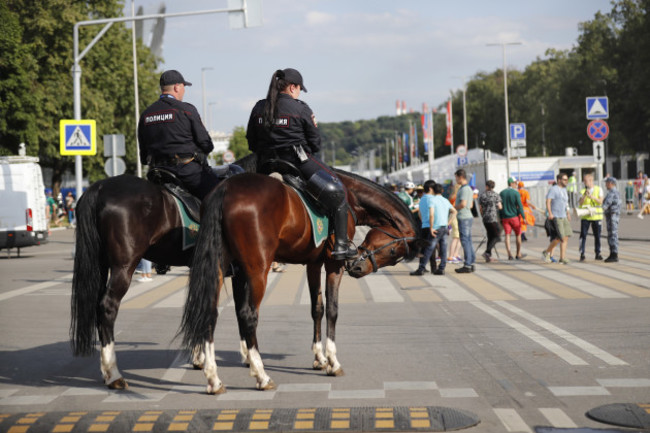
point(435, 211)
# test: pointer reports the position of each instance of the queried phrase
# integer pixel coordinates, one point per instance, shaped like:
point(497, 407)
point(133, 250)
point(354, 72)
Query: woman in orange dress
point(528, 210)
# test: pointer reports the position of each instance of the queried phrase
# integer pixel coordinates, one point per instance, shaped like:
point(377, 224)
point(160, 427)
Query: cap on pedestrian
point(511, 180)
point(611, 179)
point(419, 188)
point(172, 76)
point(409, 185)
point(293, 76)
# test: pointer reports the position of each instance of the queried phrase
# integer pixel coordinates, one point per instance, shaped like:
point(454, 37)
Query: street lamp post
point(205, 109)
point(210, 104)
point(505, 92)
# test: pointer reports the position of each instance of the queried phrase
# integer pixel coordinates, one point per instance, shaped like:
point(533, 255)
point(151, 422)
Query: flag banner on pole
point(415, 141)
point(449, 139)
point(405, 144)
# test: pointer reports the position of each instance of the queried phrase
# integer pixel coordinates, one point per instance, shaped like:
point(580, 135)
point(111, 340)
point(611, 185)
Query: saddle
point(292, 177)
point(171, 183)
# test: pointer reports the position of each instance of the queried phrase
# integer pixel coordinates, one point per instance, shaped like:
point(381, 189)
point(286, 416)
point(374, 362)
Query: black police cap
point(293, 76)
point(172, 77)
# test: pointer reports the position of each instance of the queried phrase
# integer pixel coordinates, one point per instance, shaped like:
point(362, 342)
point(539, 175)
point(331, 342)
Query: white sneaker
point(145, 279)
point(639, 216)
point(546, 256)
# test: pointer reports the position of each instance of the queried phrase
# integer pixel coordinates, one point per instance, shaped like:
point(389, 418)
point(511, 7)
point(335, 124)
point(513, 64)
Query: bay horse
point(120, 220)
point(253, 220)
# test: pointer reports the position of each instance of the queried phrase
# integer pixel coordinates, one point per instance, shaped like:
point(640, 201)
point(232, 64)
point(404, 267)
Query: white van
point(23, 219)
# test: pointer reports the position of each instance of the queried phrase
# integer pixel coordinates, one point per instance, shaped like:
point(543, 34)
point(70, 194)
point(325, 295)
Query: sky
point(357, 57)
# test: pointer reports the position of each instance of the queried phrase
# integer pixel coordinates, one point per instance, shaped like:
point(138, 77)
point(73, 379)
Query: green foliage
point(238, 143)
point(36, 85)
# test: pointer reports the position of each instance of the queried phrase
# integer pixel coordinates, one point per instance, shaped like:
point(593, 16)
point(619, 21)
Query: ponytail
point(277, 85)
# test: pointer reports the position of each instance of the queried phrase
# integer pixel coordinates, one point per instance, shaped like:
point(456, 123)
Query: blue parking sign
point(517, 131)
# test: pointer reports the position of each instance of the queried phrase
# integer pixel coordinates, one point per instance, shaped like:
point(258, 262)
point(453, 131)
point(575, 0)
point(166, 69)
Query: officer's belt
point(174, 160)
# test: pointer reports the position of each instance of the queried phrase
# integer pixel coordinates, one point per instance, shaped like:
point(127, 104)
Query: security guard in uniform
point(173, 137)
point(283, 127)
point(591, 197)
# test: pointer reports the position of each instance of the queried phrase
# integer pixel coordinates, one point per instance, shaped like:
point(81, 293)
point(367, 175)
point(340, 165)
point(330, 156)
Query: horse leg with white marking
point(249, 314)
point(109, 304)
point(334, 272)
point(317, 311)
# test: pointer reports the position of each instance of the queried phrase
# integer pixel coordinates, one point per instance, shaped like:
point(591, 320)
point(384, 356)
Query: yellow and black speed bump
point(361, 419)
point(631, 415)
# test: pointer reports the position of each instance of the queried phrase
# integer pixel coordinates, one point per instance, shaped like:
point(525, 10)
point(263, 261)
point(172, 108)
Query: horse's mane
point(249, 164)
point(376, 208)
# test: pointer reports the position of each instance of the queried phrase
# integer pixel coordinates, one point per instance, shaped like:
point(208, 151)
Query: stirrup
point(346, 252)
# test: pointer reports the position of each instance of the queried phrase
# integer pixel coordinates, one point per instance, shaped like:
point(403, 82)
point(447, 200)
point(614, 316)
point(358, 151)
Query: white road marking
point(458, 392)
point(572, 391)
point(584, 345)
point(357, 394)
point(35, 287)
point(382, 289)
point(512, 421)
point(557, 418)
point(304, 387)
point(177, 369)
point(533, 335)
point(410, 386)
point(513, 285)
point(624, 383)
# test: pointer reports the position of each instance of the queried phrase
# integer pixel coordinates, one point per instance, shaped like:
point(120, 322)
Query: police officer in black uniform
point(283, 127)
point(173, 137)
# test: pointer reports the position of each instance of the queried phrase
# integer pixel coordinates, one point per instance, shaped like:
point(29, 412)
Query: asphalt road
point(519, 344)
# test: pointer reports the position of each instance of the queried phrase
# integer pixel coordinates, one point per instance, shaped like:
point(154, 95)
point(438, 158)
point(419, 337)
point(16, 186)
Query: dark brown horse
point(120, 220)
point(253, 220)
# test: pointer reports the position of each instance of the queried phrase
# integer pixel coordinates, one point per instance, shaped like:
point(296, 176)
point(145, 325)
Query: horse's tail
point(90, 275)
point(206, 273)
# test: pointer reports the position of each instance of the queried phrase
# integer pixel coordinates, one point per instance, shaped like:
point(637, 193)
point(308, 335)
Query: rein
point(370, 254)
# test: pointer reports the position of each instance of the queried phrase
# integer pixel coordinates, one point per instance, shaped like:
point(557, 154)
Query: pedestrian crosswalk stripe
point(381, 288)
point(423, 295)
point(514, 285)
point(621, 286)
point(557, 417)
point(539, 279)
point(286, 288)
point(511, 420)
point(588, 282)
point(484, 288)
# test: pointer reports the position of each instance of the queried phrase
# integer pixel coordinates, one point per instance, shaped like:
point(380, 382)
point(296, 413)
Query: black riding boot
point(342, 248)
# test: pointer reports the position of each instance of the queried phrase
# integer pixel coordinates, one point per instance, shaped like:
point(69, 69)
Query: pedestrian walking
point(612, 210)
point(490, 204)
point(557, 206)
point(510, 213)
point(528, 210)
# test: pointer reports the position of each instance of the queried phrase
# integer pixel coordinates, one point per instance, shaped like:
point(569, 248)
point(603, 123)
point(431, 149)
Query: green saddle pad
point(190, 227)
point(319, 222)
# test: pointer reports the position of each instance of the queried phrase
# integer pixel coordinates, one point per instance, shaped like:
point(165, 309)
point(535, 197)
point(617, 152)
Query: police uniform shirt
point(295, 125)
point(171, 127)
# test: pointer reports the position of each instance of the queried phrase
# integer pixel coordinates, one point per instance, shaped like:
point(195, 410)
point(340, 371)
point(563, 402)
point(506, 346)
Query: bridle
point(370, 254)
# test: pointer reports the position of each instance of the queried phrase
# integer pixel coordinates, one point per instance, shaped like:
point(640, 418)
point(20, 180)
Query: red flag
point(449, 139)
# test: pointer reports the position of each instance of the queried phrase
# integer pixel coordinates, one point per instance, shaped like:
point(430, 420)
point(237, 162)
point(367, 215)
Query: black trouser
point(493, 230)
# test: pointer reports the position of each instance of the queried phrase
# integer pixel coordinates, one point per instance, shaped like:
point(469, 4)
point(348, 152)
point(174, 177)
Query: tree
point(36, 86)
point(238, 143)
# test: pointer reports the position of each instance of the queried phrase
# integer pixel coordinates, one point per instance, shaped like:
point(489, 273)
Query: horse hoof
point(118, 384)
point(212, 391)
point(269, 386)
point(198, 366)
point(336, 373)
point(319, 365)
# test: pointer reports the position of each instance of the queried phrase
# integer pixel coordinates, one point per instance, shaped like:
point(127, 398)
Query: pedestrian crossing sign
point(77, 137)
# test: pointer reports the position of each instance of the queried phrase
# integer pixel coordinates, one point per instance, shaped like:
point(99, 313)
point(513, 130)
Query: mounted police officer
point(173, 137)
point(283, 127)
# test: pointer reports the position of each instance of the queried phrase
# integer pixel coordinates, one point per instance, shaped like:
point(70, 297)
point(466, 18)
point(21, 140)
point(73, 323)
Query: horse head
point(393, 234)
